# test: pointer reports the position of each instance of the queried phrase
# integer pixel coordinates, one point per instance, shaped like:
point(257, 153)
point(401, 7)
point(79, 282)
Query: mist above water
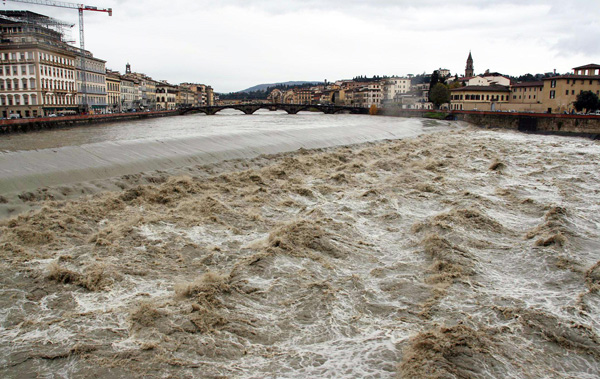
point(453, 254)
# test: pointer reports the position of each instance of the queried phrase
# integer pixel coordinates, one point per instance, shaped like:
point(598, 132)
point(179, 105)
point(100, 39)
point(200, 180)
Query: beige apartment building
point(37, 69)
point(129, 94)
point(113, 90)
point(146, 89)
point(480, 98)
point(367, 95)
point(526, 97)
point(203, 94)
point(166, 97)
point(303, 96)
point(186, 97)
point(393, 87)
point(560, 92)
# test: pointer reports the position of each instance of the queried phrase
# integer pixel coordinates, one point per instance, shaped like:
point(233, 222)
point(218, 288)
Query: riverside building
point(113, 91)
point(560, 92)
point(92, 96)
point(37, 68)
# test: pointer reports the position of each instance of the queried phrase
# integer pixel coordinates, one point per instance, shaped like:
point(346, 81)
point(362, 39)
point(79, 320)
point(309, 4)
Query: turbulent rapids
point(458, 253)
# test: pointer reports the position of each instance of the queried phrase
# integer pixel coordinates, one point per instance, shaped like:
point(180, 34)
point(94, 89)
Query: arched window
point(24, 80)
point(25, 99)
point(32, 83)
point(16, 83)
point(2, 100)
point(33, 100)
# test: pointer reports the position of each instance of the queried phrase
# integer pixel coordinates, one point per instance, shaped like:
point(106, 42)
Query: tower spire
point(469, 71)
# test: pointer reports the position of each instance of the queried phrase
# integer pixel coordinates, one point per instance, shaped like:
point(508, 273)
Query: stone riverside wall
point(42, 123)
point(543, 123)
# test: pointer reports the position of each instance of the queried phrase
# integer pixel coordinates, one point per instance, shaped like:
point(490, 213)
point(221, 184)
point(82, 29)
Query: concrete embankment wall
point(41, 123)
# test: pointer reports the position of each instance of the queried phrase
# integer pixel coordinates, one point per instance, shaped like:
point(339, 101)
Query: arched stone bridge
point(289, 108)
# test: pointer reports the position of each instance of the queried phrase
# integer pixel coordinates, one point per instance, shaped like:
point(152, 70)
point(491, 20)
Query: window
point(552, 94)
point(553, 85)
point(15, 70)
point(590, 81)
point(23, 70)
point(566, 92)
point(572, 92)
point(568, 81)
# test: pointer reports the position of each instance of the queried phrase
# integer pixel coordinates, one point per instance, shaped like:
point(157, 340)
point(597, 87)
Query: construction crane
point(80, 8)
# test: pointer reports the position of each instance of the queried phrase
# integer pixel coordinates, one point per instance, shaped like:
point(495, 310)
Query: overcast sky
point(235, 44)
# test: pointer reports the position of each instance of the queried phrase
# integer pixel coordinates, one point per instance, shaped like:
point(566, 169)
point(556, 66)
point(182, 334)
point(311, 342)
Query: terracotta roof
point(593, 77)
point(529, 84)
point(482, 88)
point(591, 65)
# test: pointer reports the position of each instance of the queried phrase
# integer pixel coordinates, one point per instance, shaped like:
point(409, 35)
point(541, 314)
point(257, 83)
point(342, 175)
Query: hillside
point(262, 87)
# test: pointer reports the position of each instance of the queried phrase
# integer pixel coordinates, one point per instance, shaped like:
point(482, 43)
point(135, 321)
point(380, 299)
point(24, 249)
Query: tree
point(455, 84)
point(587, 100)
point(435, 79)
point(439, 95)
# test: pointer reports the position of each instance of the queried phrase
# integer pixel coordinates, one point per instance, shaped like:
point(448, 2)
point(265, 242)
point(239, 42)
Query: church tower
point(469, 71)
point(128, 67)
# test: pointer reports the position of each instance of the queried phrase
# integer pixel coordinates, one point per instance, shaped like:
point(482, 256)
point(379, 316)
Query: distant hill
point(262, 87)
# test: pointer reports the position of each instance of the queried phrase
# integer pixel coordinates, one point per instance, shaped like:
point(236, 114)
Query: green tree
point(587, 100)
point(435, 79)
point(439, 95)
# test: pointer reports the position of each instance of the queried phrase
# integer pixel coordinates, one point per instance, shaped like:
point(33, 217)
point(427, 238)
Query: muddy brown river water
point(431, 250)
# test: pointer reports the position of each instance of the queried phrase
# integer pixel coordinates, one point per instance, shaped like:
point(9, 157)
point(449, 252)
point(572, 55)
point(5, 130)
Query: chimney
point(554, 71)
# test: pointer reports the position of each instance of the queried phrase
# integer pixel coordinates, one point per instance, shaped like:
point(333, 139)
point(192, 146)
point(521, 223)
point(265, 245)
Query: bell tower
point(469, 71)
point(128, 68)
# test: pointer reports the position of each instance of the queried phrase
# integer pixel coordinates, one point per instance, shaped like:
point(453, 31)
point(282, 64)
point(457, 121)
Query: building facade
point(166, 97)
point(91, 83)
point(37, 69)
point(129, 94)
point(479, 98)
point(113, 91)
point(526, 97)
point(393, 87)
point(560, 92)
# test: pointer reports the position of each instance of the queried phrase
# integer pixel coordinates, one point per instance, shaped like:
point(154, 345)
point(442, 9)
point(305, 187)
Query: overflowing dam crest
point(453, 252)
